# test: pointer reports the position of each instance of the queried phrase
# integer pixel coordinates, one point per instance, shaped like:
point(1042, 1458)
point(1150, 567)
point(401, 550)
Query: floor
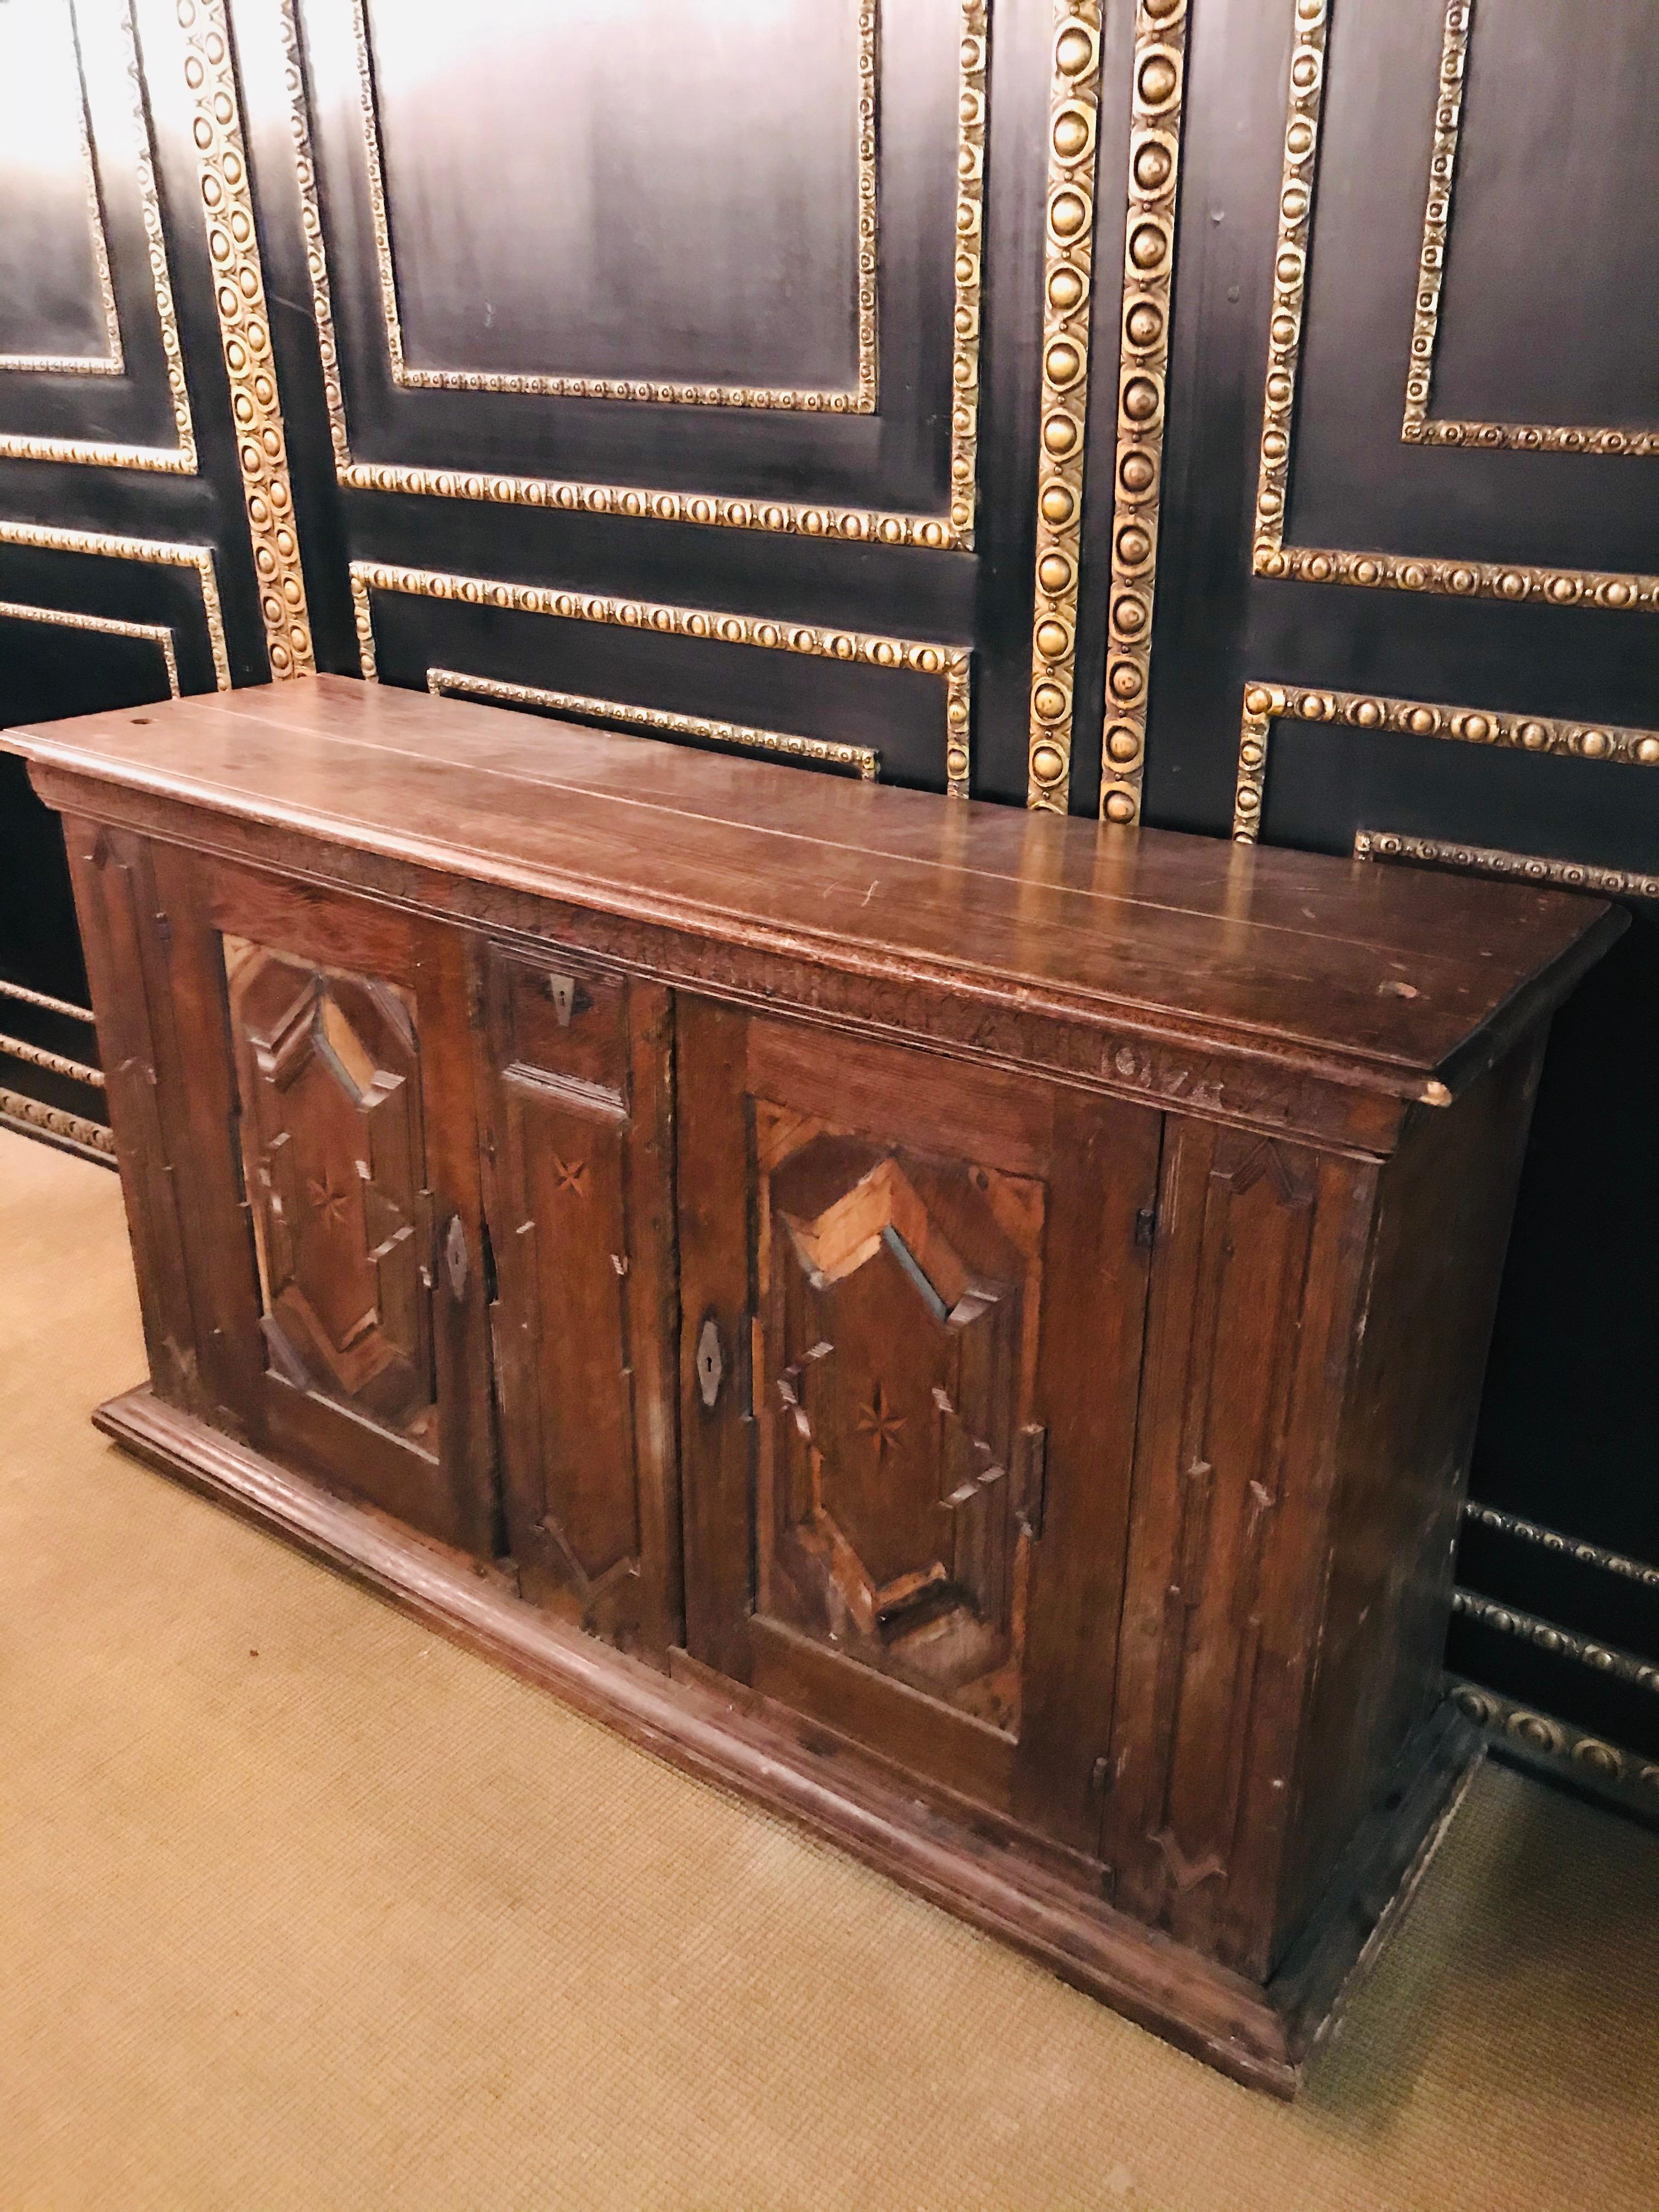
point(301, 1906)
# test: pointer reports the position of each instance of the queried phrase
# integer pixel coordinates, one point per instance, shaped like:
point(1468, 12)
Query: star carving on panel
point(326, 1201)
point(570, 1175)
point(880, 1424)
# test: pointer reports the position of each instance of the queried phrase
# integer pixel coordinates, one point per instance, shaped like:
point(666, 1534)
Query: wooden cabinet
point(964, 1327)
point(913, 1296)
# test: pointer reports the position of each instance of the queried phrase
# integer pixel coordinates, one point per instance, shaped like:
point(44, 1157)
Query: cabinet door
point(913, 1294)
point(328, 1036)
point(579, 1176)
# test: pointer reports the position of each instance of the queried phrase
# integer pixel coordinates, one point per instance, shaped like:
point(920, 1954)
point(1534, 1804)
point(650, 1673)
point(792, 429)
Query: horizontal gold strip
point(1576, 1548)
point(863, 759)
point(1560, 1643)
point(61, 618)
point(854, 524)
point(54, 1063)
point(155, 552)
point(41, 998)
point(32, 1115)
point(1520, 867)
point(952, 664)
point(1586, 1756)
point(59, 364)
point(1267, 704)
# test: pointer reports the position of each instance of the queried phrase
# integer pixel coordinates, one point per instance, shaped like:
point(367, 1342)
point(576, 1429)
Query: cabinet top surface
point(1395, 972)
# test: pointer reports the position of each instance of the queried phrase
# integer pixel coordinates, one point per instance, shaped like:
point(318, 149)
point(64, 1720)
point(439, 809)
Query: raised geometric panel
point(693, 189)
point(898, 1299)
point(328, 1066)
point(57, 300)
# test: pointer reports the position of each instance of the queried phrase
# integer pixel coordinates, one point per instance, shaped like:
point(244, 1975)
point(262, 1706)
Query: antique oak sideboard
point(962, 1325)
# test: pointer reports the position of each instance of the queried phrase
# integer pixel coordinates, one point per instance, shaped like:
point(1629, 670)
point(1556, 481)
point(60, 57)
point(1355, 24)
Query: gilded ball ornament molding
point(1266, 703)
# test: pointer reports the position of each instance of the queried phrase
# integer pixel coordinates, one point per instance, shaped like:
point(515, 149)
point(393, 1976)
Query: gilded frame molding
point(1067, 289)
point(113, 361)
point(158, 634)
point(952, 532)
point(53, 1063)
point(453, 683)
point(1558, 875)
point(238, 294)
point(1267, 704)
point(1570, 1750)
point(1572, 877)
point(1376, 571)
point(861, 400)
point(952, 664)
point(153, 552)
point(181, 459)
point(1419, 427)
point(1560, 1643)
point(36, 1119)
point(1156, 114)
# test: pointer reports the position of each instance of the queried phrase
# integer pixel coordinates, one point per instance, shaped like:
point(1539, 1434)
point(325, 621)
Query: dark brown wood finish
point(943, 1289)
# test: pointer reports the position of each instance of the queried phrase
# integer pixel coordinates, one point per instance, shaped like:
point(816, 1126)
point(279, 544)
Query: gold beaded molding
point(951, 532)
point(1473, 579)
point(27, 998)
point(1068, 257)
point(112, 361)
point(1418, 427)
point(54, 1063)
point(1148, 278)
point(1560, 1643)
point(95, 453)
point(40, 1120)
point(1584, 1756)
point(952, 663)
point(1531, 1531)
point(1267, 704)
point(155, 552)
point(156, 632)
point(1558, 875)
point(238, 292)
point(861, 400)
point(864, 760)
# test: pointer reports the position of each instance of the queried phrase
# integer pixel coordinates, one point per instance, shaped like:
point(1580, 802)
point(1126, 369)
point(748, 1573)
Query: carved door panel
point(1259, 1258)
point(353, 1114)
point(912, 1311)
point(577, 1122)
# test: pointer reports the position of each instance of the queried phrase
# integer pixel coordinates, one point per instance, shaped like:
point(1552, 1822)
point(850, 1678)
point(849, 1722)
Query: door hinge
point(1146, 1228)
point(456, 1258)
point(1099, 1777)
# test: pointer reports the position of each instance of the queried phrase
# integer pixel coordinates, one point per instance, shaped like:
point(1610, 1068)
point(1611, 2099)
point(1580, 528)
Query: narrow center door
point(913, 1298)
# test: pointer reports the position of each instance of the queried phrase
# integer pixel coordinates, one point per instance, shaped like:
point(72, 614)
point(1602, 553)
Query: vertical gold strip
point(1156, 108)
point(1073, 137)
point(969, 270)
point(1436, 217)
point(245, 333)
point(1296, 199)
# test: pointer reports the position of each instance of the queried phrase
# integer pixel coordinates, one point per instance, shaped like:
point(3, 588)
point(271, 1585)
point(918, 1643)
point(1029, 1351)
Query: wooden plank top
point(1402, 980)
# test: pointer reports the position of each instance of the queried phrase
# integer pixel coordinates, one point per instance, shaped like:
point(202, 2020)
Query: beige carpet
point(301, 1907)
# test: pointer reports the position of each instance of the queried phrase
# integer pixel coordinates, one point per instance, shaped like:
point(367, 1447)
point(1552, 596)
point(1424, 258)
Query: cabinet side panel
point(1261, 1247)
point(1443, 1209)
point(109, 902)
